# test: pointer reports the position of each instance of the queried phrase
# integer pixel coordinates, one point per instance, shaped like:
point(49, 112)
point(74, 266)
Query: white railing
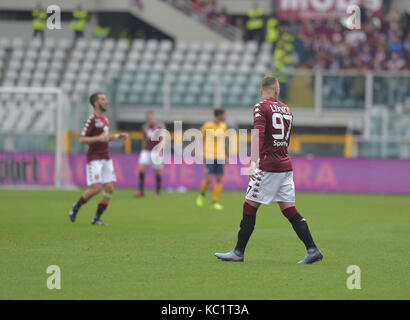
point(345, 98)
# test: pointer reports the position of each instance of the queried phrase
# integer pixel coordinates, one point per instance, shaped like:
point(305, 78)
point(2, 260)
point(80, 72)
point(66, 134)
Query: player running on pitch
point(149, 155)
point(271, 180)
point(214, 157)
point(100, 169)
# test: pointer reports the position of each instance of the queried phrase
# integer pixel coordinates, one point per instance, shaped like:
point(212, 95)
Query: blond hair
point(270, 84)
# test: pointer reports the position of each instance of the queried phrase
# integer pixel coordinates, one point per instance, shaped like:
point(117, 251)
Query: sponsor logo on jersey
point(277, 143)
point(99, 124)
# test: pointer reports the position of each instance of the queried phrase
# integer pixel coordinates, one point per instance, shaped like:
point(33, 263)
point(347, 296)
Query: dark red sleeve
point(88, 127)
point(259, 123)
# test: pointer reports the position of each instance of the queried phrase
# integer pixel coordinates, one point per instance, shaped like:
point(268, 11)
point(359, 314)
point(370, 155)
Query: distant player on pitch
point(100, 169)
point(149, 154)
point(271, 180)
point(214, 157)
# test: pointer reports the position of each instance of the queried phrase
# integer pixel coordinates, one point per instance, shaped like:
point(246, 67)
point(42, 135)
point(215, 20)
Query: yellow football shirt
point(214, 139)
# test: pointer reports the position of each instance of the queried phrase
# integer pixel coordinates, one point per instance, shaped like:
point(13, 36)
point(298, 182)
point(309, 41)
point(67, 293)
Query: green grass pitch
point(164, 249)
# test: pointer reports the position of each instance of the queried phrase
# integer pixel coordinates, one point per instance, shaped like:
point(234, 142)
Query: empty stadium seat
point(176, 99)
point(122, 44)
point(137, 87)
point(28, 65)
point(208, 46)
point(5, 43)
point(165, 46)
point(148, 99)
point(133, 98)
point(17, 43)
point(181, 46)
point(208, 89)
point(159, 66)
point(63, 44)
point(138, 45)
point(108, 45)
point(81, 44)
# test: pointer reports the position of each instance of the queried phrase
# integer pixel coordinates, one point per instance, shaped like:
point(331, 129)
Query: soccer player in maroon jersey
point(100, 169)
point(149, 155)
point(271, 174)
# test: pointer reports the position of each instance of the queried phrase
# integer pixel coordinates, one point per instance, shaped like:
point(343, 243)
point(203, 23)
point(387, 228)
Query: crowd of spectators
point(382, 43)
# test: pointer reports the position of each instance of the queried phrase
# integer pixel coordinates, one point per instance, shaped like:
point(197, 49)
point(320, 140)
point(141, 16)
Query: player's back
point(276, 117)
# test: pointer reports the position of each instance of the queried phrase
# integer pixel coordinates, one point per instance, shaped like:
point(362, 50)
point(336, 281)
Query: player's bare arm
point(119, 136)
point(251, 172)
point(90, 140)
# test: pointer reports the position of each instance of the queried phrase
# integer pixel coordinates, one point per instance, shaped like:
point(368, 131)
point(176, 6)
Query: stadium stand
point(89, 65)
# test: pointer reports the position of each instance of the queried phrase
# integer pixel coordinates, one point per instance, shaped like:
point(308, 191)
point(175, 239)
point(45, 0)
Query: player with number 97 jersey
point(274, 120)
point(270, 173)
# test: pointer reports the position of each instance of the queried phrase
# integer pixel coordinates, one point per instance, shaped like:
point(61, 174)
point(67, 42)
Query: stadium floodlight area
point(33, 124)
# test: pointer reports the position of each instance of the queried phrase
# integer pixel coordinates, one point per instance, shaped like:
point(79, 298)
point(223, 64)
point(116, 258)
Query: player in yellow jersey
point(213, 133)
